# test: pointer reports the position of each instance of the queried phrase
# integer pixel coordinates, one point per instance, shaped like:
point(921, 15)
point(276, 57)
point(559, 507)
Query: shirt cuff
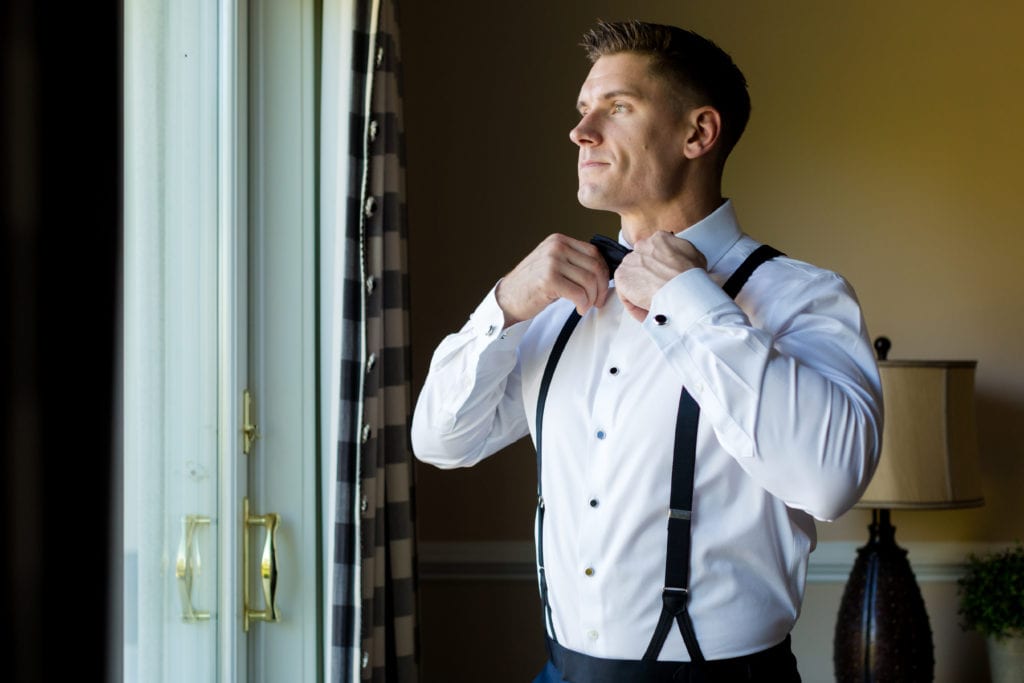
point(488, 323)
point(680, 303)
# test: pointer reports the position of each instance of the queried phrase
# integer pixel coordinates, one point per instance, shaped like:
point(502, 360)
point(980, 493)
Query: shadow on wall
point(1001, 452)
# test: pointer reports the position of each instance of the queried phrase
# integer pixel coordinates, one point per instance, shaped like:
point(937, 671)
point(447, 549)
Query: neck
point(673, 217)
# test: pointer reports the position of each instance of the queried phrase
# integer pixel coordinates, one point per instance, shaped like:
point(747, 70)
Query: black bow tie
point(612, 251)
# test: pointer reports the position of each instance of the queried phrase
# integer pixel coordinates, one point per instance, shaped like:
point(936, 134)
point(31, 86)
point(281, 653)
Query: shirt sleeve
point(795, 399)
point(471, 403)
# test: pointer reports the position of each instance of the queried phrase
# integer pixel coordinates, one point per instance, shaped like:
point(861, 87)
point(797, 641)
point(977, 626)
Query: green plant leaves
point(992, 593)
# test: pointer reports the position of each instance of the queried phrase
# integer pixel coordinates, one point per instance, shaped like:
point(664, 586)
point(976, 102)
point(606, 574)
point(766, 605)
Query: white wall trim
point(829, 563)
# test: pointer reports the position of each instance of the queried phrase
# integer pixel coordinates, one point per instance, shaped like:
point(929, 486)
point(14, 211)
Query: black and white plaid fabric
point(373, 522)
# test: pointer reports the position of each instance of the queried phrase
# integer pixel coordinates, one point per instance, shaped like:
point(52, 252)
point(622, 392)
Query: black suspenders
point(675, 596)
point(545, 382)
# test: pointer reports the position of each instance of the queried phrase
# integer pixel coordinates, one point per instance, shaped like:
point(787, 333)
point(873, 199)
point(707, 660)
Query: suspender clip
point(678, 514)
point(675, 600)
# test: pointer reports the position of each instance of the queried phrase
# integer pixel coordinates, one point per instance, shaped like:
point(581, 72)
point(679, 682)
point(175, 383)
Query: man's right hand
point(559, 268)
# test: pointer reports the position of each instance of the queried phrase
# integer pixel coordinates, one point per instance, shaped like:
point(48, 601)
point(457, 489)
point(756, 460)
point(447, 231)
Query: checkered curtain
point(373, 596)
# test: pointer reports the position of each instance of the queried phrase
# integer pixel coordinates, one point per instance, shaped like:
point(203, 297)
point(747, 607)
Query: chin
point(591, 200)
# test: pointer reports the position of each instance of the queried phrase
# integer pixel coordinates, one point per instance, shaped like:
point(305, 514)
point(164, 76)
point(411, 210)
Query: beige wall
point(885, 143)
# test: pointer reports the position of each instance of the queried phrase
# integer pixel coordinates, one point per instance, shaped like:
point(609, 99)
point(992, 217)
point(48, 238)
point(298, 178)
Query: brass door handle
point(189, 564)
point(268, 566)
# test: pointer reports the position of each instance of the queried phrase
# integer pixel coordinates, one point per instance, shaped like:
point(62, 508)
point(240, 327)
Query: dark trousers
point(774, 665)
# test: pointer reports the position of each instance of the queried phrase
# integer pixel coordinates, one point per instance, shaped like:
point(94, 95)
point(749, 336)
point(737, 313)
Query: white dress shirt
point(790, 427)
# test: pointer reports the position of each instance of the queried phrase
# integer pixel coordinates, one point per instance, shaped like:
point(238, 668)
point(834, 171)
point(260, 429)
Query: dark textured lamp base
point(883, 632)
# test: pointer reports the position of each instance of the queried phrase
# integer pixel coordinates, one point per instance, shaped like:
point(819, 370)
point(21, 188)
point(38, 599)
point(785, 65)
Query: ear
point(704, 126)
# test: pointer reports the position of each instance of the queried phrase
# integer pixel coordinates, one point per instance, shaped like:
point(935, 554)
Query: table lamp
point(928, 462)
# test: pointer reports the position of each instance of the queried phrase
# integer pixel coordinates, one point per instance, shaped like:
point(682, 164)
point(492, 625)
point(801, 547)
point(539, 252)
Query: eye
point(619, 108)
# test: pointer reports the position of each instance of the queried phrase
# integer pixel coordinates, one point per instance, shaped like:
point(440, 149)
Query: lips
point(591, 163)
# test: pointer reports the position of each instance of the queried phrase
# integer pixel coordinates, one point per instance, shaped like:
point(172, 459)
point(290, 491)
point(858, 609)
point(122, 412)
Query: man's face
point(631, 138)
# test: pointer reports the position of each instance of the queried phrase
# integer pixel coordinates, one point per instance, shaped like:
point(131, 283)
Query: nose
point(585, 132)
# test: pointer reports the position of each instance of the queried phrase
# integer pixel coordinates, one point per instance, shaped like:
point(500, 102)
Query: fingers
point(667, 252)
point(560, 267)
point(585, 268)
point(639, 314)
point(581, 286)
point(653, 262)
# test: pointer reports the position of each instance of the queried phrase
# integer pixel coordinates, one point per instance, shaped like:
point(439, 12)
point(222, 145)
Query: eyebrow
point(610, 95)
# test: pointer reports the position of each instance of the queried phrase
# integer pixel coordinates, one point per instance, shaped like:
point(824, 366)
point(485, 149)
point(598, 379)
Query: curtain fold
point(372, 583)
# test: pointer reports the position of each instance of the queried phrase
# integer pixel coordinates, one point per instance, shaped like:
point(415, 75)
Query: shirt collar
point(713, 235)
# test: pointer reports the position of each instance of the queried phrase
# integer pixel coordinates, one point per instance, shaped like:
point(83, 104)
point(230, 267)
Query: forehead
point(627, 72)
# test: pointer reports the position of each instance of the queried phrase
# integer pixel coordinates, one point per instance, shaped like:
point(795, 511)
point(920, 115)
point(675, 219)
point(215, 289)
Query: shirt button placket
point(594, 530)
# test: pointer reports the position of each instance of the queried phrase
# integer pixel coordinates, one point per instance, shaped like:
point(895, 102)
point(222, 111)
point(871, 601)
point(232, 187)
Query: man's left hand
point(654, 261)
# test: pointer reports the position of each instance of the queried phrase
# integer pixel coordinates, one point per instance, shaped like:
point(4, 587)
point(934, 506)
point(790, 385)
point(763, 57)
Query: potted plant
point(992, 603)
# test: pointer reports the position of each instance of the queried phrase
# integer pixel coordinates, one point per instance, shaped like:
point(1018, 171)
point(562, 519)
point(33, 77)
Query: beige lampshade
point(929, 447)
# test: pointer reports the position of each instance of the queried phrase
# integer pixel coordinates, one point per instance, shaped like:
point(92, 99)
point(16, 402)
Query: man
point(779, 422)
